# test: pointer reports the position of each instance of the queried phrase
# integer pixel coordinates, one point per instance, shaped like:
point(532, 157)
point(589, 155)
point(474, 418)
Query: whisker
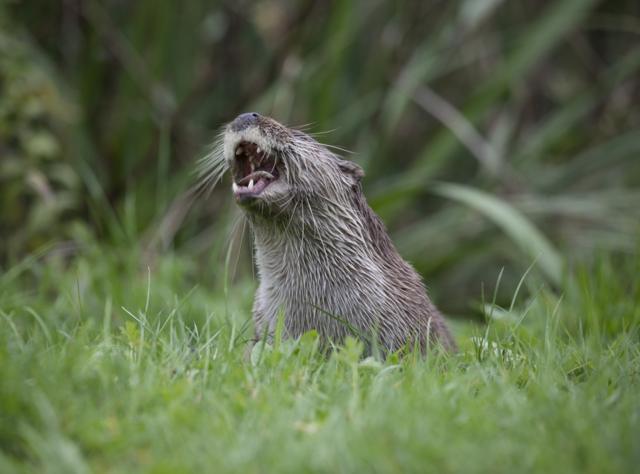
point(303, 127)
point(339, 148)
point(322, 132)
point(235, 266)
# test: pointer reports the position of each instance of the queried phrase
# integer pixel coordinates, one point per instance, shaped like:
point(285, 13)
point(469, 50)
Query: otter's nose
point(243, 121)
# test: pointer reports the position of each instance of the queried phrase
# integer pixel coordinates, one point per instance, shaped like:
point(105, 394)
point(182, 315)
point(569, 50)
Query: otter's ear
point(351, 168)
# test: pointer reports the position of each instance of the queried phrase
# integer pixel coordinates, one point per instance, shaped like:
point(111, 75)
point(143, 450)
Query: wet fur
point(323, 256)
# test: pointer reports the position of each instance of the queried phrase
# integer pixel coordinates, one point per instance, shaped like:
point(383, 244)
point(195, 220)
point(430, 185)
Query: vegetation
point(525, 106)
point(501, 145)
point(110, 368)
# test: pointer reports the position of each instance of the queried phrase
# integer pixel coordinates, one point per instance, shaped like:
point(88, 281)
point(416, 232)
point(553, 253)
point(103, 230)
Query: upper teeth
point(234, 187)
point(239, 151)
point(258, 150)
point(250, 184)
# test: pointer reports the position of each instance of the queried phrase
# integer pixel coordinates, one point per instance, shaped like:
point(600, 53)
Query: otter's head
point(274, 168)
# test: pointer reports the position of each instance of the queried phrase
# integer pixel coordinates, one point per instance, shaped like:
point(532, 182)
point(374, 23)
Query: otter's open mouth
point(254, 169)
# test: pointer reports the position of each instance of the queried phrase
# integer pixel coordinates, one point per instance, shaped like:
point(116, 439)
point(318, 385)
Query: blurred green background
point(496, 135)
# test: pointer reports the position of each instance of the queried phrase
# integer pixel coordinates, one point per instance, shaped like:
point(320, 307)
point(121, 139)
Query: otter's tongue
point(250, 186)
point(255, 177)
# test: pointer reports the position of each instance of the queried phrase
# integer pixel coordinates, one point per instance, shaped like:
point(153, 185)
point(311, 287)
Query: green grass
point(106, 366)
point(493, 134)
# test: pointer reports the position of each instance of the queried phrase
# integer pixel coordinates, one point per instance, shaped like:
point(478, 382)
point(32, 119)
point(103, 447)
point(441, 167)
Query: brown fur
point(323, 256)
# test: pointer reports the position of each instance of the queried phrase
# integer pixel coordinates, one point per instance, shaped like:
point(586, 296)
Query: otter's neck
point(322, 244)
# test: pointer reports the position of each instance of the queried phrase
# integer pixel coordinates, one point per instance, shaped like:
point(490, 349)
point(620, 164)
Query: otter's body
point(324, 258)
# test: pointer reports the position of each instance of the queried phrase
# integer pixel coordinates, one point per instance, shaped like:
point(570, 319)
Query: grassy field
point(493, 134)
point(111, 367)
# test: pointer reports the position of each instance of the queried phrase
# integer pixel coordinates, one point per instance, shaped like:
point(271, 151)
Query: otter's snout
point(242, 121)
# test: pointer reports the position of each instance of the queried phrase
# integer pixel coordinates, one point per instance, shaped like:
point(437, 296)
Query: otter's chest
point(318, 292)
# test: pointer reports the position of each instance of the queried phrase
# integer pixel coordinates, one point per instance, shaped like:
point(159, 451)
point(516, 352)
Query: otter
point(324, 258)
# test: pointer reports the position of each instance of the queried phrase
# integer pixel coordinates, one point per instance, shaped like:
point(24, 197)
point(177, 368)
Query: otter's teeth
point(239, 151)
point(250, 185)
point(234, 187)
point(252, 167)
point(258, 150)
